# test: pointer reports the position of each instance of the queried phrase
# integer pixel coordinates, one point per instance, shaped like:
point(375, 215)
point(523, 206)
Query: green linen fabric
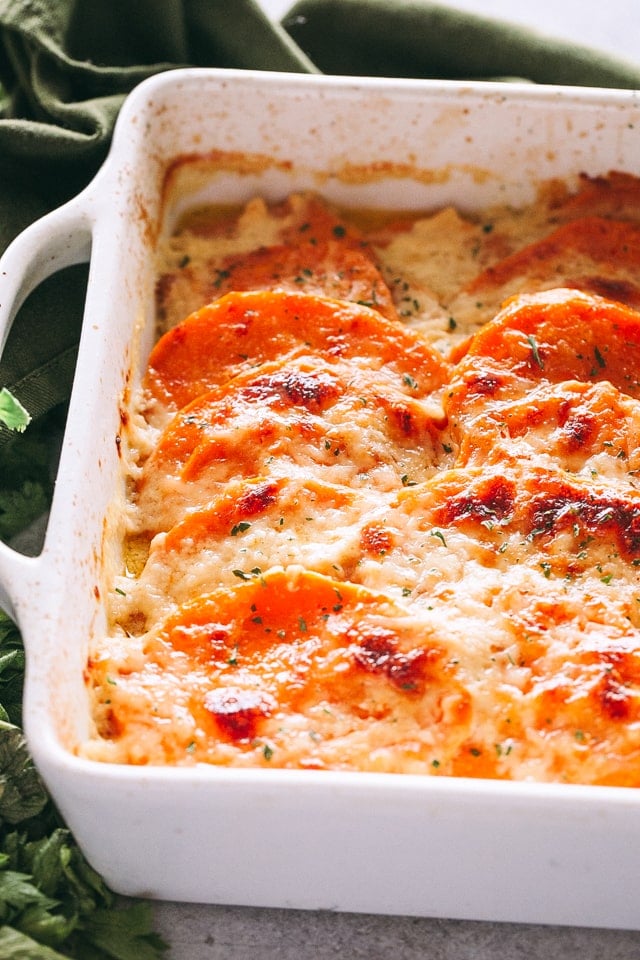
point(67, 65)
point(411, 38)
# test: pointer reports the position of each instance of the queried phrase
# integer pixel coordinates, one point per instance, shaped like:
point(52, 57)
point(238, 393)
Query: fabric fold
point(411, 38)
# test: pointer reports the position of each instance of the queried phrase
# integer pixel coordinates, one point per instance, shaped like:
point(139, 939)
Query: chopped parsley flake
point(239, 528)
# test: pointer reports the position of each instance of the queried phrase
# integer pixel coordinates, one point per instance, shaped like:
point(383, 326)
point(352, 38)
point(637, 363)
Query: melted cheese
point(374, 522)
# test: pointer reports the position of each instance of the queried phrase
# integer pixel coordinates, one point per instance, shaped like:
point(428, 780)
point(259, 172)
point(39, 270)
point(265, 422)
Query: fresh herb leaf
point(125, 933)
point(22, 794)
point(15, 945)
point(53, 905)
point(12, 664)
point(439, 534)
point(534, 350)
point(239, 528)
point(12, 414)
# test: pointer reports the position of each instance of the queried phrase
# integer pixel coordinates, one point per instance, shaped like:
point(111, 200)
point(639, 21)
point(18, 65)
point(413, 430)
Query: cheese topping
point(382, 511)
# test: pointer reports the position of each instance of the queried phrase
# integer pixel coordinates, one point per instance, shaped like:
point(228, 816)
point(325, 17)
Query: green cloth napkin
point(411, 38)
point(67, 65)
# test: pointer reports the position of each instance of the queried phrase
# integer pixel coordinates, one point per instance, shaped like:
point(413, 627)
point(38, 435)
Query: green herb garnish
point(53, 905)
point(534, 350)
point(12, 414)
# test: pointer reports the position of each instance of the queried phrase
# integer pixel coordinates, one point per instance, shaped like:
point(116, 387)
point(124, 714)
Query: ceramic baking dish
point(360, 842)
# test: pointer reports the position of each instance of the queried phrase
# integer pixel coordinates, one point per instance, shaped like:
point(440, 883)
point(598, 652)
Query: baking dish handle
point(60, 239)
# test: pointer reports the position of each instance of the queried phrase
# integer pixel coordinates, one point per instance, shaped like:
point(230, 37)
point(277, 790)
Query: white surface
point(234, 933)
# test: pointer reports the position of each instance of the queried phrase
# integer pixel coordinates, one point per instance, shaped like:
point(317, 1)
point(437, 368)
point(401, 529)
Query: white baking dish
point(361, 842)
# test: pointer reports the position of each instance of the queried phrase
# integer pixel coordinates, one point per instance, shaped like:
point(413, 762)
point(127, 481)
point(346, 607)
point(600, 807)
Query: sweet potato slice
point(287, 669)
point(314, 647)
point(301, 244)
point(616, 195)
point(555, 374)
point(468, 536)
point(330, 268)
point(254, 524)
point(284, 502)
point(582, 427)
point(300, 417)
point(242, 330)
point(535, 508)
point(554, 336)
point(593, 254)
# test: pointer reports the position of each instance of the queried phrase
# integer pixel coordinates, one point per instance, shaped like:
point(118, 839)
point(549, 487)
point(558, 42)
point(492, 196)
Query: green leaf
point(49, 892)
point(48, 860)
point(12, 664)
point(16, 890)
point(46, 926)
point(12, 413)
point(14, 945)
point(22, 794)
point(126, 934)
point(51, 899)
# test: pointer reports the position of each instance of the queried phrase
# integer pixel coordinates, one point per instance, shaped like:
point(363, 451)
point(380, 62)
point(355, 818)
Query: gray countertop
point(197, 931)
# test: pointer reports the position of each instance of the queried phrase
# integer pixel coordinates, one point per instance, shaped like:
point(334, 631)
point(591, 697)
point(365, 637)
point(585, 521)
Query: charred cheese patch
point(396, 533)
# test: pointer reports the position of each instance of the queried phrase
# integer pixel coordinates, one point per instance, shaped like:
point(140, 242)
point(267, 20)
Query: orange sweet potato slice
point(256, 523)
point(582, 426)
point(242, 330)
point(329, 268)
point(499, 515)
point(556, 373)
point(616, 195)
point(245, 502)
point(537, 506)
point(309, 248)
point(300, 642)
point(593, 254)
point(592, 694)
point(554, 336)
point(301, 417)
point(259, 523)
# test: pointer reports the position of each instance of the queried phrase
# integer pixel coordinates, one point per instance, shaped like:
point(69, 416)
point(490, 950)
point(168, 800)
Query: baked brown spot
point(615, 698)
point(376, 651)
point(579, 429)
point(256, 501)
point(238, 712)
point(494, 501)
point(310, 390)
point(562, 507)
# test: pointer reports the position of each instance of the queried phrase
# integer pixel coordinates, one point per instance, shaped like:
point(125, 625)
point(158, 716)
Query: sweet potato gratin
point(383, 510)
